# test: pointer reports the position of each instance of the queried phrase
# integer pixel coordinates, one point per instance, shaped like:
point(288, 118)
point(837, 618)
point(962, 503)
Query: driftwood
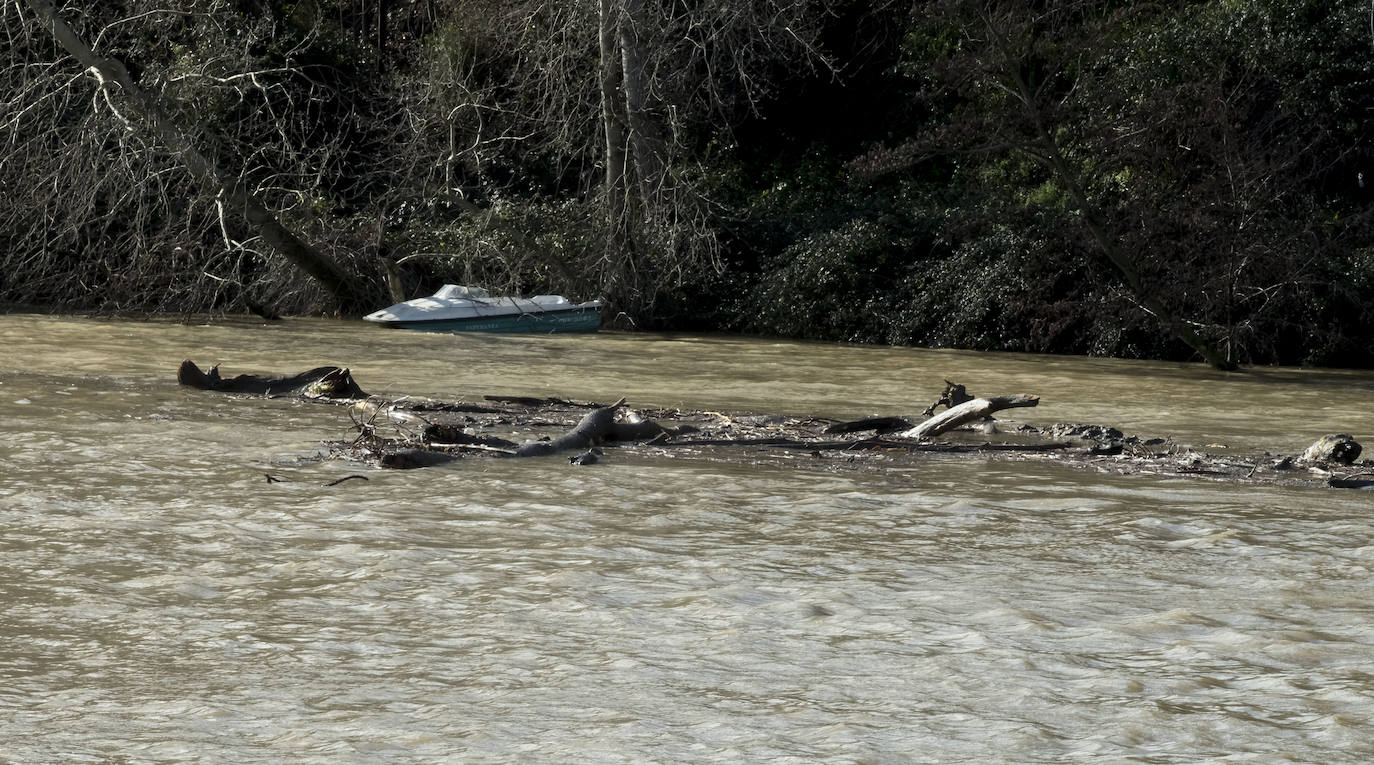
point(968, 411)
point(590, 431)
point(446, 434)
point(530, 402)
point(320, 382)
point(953, 395)
point(1339, 448)
point(878, 424)
point(409, 459)
point(408, 433)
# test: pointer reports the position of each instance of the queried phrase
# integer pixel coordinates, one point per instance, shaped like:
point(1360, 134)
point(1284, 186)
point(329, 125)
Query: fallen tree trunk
point(968, 411)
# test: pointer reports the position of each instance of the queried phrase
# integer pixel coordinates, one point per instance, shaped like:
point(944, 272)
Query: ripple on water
point(164, 602)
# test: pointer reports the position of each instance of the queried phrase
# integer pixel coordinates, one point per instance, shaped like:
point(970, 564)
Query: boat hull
point(533, 322)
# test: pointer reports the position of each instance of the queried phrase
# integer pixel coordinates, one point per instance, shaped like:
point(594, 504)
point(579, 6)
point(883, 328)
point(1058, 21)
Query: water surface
point(162, 602)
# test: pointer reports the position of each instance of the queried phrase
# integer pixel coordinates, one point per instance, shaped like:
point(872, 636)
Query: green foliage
point(1334, 323)
point(832, 285)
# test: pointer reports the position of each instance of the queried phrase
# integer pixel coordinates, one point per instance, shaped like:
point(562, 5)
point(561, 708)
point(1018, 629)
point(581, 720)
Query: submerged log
point(1339, 448)
point(320, 382)
point(589, 457)
point(968, 411)
point(529, 401)
point(878, 424)
point(444, 434)
point(600, 426)
point(410, 459)
point(591, 430)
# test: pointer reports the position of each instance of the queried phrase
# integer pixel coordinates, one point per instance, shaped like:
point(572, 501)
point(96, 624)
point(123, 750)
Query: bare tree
point(608, 104)
point(138, 109)
point(668, 72)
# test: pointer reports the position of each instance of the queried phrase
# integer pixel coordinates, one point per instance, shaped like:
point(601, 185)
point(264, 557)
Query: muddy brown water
point(161, 602)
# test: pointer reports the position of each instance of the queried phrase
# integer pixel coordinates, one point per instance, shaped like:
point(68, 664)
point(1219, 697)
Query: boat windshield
point(460, 292)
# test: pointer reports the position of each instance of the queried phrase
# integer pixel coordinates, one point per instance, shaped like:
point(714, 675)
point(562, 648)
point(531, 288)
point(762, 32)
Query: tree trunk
point(646, 139)
point(616, 185)
point(612, 118)
point(342, 288)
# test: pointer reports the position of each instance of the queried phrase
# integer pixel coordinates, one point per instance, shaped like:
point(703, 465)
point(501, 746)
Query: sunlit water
point(162, 602)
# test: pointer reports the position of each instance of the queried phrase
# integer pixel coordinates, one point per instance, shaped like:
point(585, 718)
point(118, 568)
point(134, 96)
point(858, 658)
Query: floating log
point(1339, 448)
point(530, 402)
point(878, 424)
point(320, 382)
point(591, 430)
point(968, 411)
point(589, 457)
point(636, 430)
point(443, 434)
point(410, 459)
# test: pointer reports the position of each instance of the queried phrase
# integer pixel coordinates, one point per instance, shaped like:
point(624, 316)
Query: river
point(163, 602)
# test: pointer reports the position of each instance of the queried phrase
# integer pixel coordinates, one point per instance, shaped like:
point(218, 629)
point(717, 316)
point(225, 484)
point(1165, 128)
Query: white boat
point(459, 308)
